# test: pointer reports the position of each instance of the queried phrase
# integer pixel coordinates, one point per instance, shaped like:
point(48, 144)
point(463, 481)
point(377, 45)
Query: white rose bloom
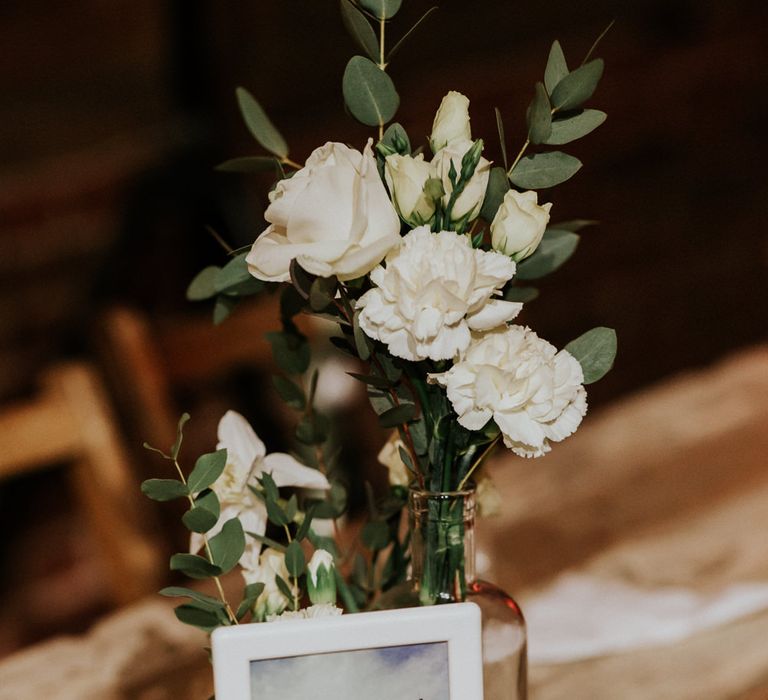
point(532, 392)
point(451, 122)
point(389, 456)
point(406, 177)
point(247, 459)
point(519, 224)
point(434, 290)
point(271, 601)
point(470, 201)
point(334, 216)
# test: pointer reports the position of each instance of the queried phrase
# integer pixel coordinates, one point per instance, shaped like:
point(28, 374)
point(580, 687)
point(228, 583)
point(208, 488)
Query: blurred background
point(112, 118)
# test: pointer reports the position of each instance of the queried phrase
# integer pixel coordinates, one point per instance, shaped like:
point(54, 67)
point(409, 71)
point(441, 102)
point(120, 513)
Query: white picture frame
point(423, 652)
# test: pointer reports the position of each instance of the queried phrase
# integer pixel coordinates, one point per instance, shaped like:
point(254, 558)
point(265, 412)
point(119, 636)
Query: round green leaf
point(207, 469)
point(360, 29)
point(542, 170)
point(555, 248)
point(577, 87)
point(164, 489)
point(567, 130)
point(383, 9)
point(539, 116)
point(203, 286)
point(228, 546)
point(259, 125)
point(556, 68)
point(369, 92)
point(595, 351)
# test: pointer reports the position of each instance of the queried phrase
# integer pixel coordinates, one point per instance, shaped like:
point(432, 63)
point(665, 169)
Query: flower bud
point(451, 122)
point(271, 601)
point(451, 158)
point(406, 177)
point(321, 580)
point(519, 224)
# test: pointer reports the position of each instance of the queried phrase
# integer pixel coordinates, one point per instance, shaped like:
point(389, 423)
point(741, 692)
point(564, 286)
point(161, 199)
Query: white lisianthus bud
point(321, 581)
point(389, 456)
point(406, 177)
point(468, 204)
point(519, 224)
point(272, 600)
point(451, 122)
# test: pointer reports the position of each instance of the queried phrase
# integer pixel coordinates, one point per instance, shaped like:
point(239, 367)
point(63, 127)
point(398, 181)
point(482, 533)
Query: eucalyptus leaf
point(164, 489)
point(542, 170)
point(556, 68)
point(207, 469)
point(199, 519)
point(205, 600)
point(228, 546)
point(194, 566)
point(176, 447)
point(206, 620)
point(502, 137)
point(322, 292)
point(312, 430)
point(521, 294)
point(276, 514)
point(596, 351)
point(285, 589)
point(294, 559)
point(223, 308)
point(382, 9)
point(403, 413)
point(574, 225)
point(259, 125)
point(248, 165)
point(555, 248)
point(251, 593)
point(203, 284)
point(210, 501)
point(405, 36)
point(360, 29)
point(290, 350)
point(306, 523)
point(371, 380)
point(300, 279)
point(362, 343)
point(539, 116)
point(375, 535)
point(572, 128)
point(369, 92)
point(290, 392)
point(577, 87)
point(498, 186)
point(233, 273)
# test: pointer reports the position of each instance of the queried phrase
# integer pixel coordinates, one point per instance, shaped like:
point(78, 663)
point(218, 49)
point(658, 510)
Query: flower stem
point(478, 462)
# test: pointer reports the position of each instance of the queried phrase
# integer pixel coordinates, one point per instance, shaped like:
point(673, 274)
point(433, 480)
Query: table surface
point(665, 488)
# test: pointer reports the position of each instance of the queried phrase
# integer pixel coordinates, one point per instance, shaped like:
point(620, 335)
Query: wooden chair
point(70, 422)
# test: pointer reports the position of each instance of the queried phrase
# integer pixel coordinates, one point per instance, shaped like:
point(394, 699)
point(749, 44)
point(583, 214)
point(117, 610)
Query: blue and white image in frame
point(406, 672)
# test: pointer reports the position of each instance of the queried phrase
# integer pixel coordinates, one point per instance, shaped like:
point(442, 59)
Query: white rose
point(451, 122)
point(532, 392)
point(470, 201)
point(519, 224)
point(434, 290)
point(389, 456)
point(272, 600)
point(334, 216)
point(406, 177)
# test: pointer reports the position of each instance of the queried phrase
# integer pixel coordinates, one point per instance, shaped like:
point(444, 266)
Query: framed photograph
point(428, 653)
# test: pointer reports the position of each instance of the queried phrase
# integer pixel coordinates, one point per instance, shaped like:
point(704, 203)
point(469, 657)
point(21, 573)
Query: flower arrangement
point(417, 254)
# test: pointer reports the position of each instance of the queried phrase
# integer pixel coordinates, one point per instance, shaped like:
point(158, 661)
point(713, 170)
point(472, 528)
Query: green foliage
point(575, 225)
point(382, 9)
point(203, 285)
point(228, 546)
point(539, 116)
point(542, 170)
point(556, 68)
point(521, 294)
point(397, 415)
point(258, 123)
point(596, 351)
point(196, 616)
point(194, 566)
point(164, 489)
point(555, 248)
point(396, 139)
point(322, 292)
point(203, 600)
point(290, 350)
point(402, 40)
point(290, 392)
point(294, 559)
point(362, 342)
point(176, 447)
point(313, 429)
point(578, 86)
point(369, 92)
point(251, 593)
point(222, 309)
point(574, 127)
point(207, 469)
point(360, 29)
point(375, 535)
point(198, 519)
point(498, 186)
point(502, 137)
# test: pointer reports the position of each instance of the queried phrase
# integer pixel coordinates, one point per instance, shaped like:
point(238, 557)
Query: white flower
point(532, 392)
point(333, 216)
point(271, 601)
point(451, 122)
point(246, 460)
point(321, 579)
point(470, 201)
point(434, 290)
point(389, 456)
point(519, 224)
point(406, 177)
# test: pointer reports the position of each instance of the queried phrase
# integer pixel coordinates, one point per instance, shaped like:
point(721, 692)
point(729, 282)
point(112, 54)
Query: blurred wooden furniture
point(70, 422)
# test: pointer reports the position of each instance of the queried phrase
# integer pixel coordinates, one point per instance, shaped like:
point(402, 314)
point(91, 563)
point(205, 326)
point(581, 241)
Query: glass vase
point(442, 526)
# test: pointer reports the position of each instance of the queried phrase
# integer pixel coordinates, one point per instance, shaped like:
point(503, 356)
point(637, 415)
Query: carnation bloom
point(533, 393)
point(434, 290)
point(247, 459)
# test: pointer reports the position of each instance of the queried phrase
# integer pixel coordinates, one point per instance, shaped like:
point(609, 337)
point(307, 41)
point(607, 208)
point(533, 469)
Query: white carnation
point(435, 290)
point(533, 393)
